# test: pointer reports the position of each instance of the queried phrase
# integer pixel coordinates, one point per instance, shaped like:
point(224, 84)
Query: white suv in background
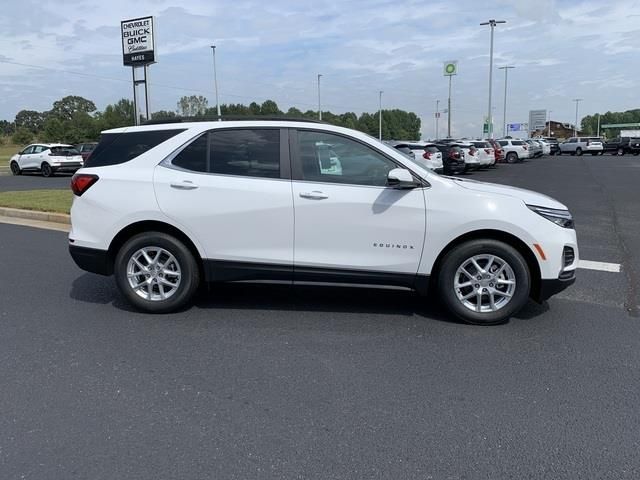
point(580, 145)
point(486, 154)
point(165, 207)
point(514, 150)
point(46, 158)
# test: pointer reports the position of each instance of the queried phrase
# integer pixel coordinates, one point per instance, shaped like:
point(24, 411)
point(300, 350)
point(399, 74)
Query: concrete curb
point(36, 215)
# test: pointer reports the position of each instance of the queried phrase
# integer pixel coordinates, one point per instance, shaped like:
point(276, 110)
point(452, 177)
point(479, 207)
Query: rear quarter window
point(517, 142)
point(117, 148)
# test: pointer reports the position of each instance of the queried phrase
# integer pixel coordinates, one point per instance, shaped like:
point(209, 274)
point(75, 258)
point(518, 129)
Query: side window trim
point(294, 143)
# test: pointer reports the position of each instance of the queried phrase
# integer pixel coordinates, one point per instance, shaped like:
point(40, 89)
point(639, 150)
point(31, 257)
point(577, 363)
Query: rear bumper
point(92, 260)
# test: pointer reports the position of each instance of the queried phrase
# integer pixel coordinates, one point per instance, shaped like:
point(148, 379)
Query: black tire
point(458, 256)
point(189, 279)
point(559, 152)
point(620, 152)
point(15, 169)
point(594, 153)
point(46, 170)
point(512, 157)
point(579, 151)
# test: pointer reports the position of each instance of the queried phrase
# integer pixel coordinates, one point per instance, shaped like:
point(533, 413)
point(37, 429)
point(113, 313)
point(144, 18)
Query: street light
point(506, 69)
point(575, 125)
point(319, 107)
point(380, 116)
point(215, 80)
point(549, 126)
point(493, 24)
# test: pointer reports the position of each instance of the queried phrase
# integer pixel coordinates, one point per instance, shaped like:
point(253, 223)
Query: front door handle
point(315, 195)
point(184, 185)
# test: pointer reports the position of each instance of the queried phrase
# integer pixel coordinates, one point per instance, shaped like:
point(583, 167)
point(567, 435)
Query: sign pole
point(146, 91)
point(136, 120)
point(449, 111)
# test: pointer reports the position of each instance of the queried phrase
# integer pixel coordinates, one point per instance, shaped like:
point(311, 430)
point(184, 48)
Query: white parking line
point(601, 266)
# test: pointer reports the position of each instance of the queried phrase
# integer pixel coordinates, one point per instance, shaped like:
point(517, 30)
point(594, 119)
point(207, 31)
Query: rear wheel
point(512, 157)
point(15, 168)
point(620, 151)
point(46, 170)
point(484, 282)
point(578, 151)
point(156, 272)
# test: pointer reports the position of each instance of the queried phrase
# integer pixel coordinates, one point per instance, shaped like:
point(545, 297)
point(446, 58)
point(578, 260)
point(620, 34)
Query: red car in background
point(497, 150)
point(85, 149)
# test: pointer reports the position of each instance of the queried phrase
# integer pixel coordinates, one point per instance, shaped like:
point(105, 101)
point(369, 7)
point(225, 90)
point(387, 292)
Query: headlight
point(560, 217)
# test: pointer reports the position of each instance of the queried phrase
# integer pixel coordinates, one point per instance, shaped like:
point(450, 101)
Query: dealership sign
point(138, 45)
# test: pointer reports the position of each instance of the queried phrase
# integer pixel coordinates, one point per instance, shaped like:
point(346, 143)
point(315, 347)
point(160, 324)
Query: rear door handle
point(315, 195)
point(184, 185)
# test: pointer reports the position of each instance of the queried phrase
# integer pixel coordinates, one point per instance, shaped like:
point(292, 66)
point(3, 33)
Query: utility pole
point(380, 116)
point(319, 106)
point(598, 134)
point(575, 126)
point(506, 69)
point(493, 24)
point(215, 81)
point(549, 126)
point(437, 118)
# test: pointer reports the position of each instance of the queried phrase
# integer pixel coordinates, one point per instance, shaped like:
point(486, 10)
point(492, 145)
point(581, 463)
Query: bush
point(22, 136)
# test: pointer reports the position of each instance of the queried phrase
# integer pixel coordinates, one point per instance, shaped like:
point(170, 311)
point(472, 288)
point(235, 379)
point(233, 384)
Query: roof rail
point(234, 118)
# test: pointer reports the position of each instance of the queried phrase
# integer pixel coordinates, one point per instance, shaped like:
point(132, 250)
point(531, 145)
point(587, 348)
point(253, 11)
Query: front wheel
point(484, 282)
point(156, 272)
point(512, 157)
point(46, 170)
point(15, 168)
point(620, 152)
point(578, 151)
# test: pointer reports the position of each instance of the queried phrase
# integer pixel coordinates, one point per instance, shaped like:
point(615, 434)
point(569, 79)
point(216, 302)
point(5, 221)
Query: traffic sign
point(450, 68)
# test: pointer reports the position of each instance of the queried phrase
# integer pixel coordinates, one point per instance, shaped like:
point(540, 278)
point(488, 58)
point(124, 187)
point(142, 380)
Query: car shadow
point(99, 290)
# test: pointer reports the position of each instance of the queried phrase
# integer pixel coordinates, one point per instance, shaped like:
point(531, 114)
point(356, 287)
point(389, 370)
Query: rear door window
point(245, 152)
point(518, 142)
point(502, 143)
point(117, 148)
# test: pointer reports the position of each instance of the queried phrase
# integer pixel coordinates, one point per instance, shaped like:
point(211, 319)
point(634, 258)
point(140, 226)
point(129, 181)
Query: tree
point(29, 119)
point(119, 114)
point(269, 107)
point(53, 130)
point(163, 115)
point(294, 112)
point(6, 127)
point(22, 136)
point(192, 106)
point(68, 106)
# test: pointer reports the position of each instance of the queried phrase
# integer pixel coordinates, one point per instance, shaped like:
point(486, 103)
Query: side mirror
point(401, 178)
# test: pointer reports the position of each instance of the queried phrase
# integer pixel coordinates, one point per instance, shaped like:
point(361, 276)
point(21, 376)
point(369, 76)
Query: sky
point(562, 50)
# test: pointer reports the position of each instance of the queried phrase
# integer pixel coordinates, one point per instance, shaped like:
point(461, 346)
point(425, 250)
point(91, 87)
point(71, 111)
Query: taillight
point(454, 154)
point(487, 151)
point(472, 151)
point(426, 155)
point(81, 182)
point(588, 143)
point(525, 147)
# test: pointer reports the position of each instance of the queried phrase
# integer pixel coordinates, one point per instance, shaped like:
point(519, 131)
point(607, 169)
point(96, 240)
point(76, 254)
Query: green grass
point(6, 152)
point(58, 201)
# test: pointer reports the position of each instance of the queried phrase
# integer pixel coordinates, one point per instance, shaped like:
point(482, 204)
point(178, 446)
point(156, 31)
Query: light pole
point(215, 81)
point(319, 107)
point(493, 24)
point(437, 118)
point(506, 69)
point(549, 126)
point(575, 125)
point(598, 134)
point(380, 116)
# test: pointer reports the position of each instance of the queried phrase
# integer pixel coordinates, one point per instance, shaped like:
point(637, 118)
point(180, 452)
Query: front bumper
point(549, 287)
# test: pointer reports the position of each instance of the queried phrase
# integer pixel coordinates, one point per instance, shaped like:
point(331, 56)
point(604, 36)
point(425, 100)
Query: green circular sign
point(450, 68)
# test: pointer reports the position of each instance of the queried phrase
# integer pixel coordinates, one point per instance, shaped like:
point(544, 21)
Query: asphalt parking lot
point(281, 382)
point(34, 181)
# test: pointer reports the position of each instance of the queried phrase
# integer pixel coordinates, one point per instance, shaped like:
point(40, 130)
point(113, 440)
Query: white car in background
point(471, 158)
point(166, 207)
point(581, 145)
point(546, 146)
point(47, 158)
point(486, 154)
point(514, 150)
point(424, 154)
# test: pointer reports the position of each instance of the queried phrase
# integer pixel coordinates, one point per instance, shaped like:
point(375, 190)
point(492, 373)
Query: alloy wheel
point(154, 274)
point(484, 283)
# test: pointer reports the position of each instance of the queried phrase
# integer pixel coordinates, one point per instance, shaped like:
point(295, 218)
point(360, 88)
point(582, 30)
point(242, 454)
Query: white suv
point(164, 207)
point(46, 158)
point(580, 145)
point(514, 150)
